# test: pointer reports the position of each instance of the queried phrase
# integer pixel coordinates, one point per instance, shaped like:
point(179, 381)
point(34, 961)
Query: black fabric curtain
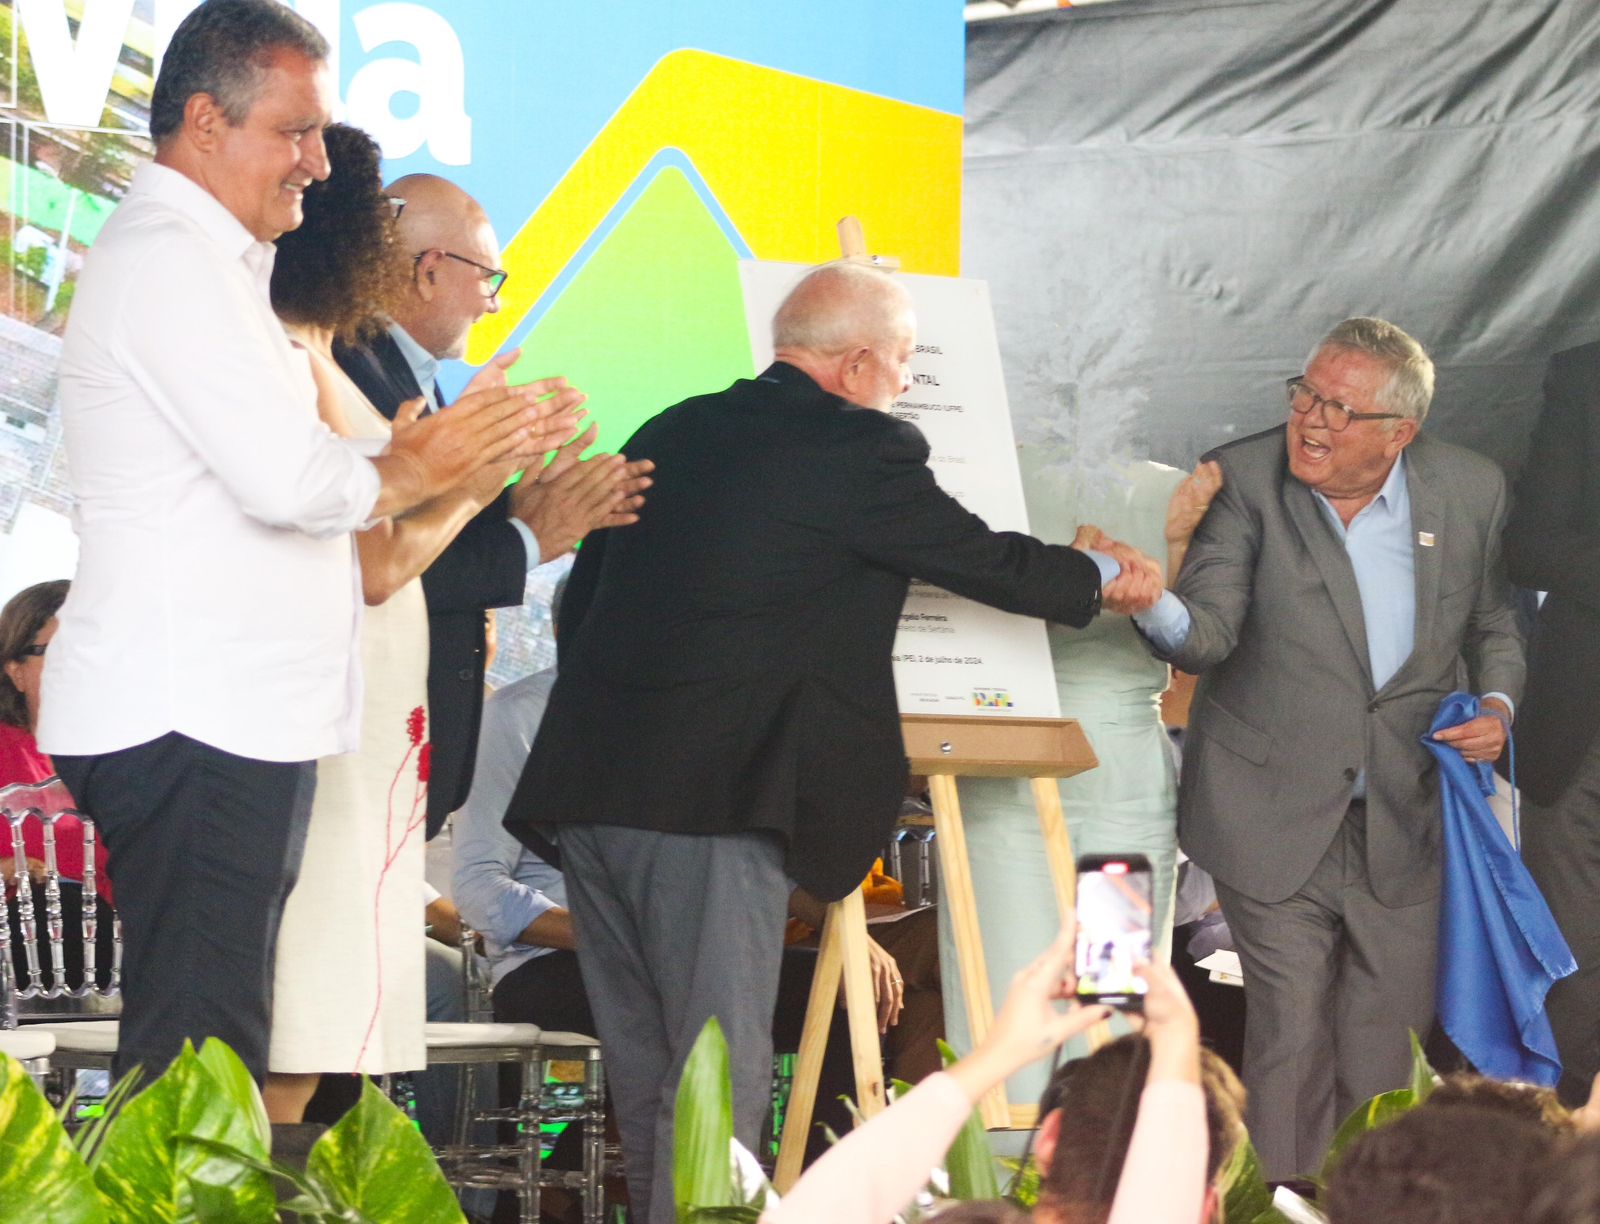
point(1173, 201)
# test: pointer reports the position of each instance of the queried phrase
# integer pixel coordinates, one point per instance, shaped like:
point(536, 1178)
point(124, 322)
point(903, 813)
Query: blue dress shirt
point(1378, 542)
point(500, 886)
point(425, 369)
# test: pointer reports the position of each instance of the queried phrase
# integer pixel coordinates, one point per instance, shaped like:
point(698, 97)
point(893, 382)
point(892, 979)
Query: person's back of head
point(1568, 1185)
point(851, 328)
point(342, 268)
point(1528, 1101)
point(1087, 1116)
point(1458, 1164)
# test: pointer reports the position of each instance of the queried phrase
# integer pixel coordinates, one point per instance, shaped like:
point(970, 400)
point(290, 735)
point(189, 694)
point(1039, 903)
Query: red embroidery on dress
point(416, 721)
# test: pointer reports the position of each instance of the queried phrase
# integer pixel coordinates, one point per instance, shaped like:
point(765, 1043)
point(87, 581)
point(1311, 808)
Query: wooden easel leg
point(842, 953)
point(1057, 843)
point(861, 1009)
point(961, 900)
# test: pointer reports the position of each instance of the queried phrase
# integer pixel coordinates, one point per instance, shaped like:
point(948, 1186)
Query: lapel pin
point(1425, 538)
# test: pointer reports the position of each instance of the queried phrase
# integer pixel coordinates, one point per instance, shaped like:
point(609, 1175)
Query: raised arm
point(908, 524)
point(877, 1168)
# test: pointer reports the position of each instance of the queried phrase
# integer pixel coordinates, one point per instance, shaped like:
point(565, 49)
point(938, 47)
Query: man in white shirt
point(205, 658)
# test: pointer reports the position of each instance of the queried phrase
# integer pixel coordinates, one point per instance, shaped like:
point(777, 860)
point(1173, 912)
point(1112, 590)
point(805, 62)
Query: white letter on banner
point(437, 77)
point(74, 79)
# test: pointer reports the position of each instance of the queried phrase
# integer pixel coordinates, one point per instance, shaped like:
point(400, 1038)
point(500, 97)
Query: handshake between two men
point(1139, 584)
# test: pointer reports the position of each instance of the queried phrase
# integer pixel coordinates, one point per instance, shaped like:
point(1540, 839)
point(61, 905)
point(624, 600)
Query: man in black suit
point(455, 282)
point(1552, 543)
point(725, 713)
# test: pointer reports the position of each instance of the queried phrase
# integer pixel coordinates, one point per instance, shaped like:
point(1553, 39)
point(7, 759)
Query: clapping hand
point(1190, 501)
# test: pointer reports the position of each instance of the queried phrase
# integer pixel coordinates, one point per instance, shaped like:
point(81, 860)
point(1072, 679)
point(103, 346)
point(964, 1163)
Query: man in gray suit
point(1345, 575)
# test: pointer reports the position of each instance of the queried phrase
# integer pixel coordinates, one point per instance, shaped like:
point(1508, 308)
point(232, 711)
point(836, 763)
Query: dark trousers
point(547, 991)
point(673, 929)
point(1333, 979)
point(204, 847)
point(1561, 845)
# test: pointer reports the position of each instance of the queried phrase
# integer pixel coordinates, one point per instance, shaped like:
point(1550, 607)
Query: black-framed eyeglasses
point(396, 207)
point(1302, 400)
point(35, 651)
point(494, 278)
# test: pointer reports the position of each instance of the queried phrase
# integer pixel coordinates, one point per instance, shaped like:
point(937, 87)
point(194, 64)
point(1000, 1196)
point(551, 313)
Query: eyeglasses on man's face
point(493, 279)
point(396, 206)
point(1303, 400)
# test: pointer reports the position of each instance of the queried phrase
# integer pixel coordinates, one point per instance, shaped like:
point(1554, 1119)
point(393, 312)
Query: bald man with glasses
point(455, 281)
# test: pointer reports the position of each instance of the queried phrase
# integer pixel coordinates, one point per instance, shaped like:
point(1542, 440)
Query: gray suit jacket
point(1286, 712)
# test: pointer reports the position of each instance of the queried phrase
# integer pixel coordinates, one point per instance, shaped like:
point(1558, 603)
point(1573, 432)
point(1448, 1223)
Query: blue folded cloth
point(1499, 947)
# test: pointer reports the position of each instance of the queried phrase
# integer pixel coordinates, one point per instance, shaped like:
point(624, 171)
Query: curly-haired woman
point(348, 995)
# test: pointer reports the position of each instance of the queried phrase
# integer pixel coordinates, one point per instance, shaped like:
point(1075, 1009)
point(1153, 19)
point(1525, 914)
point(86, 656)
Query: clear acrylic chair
point(480, 1045)
point(24, 990)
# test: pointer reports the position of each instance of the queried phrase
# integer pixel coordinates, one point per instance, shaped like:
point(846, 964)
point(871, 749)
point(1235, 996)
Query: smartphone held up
point(1114, 921)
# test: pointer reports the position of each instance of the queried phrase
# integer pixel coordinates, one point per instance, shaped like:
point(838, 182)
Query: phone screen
point(1114, 918)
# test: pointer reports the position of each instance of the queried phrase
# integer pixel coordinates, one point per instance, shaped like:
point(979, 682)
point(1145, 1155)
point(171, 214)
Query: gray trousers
point(1561, 846)
point(672, 929)
point(1333, 980)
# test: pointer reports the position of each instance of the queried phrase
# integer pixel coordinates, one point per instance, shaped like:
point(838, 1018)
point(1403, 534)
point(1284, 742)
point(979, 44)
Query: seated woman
point(27, 623)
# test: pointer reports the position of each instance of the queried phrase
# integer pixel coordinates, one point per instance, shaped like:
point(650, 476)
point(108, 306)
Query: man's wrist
point(530, 542)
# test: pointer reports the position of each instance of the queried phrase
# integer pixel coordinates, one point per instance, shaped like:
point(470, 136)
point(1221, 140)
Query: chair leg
point(530, 1111)
point(594, 1142)
point(466, 1102)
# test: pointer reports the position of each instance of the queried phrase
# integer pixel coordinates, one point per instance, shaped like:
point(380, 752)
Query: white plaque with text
point(951, 656)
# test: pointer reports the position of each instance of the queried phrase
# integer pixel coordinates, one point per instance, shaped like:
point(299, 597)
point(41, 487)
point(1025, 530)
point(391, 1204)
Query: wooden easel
point(943, 748)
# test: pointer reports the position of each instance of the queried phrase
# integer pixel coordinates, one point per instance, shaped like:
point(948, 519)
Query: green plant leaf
point(702, 1137)
point(1023, 1186)
point(373, 1161)
point(42, 1177)
point(149, 1169)
point(1423, 1076)
point(721, 1215)
point(969, 1162)
point(1385, 1107)
point(1244, 1188)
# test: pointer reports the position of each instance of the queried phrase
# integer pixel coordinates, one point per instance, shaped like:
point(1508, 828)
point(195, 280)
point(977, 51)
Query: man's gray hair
point(1409, 390)
point(840, 306)
point(224, 49)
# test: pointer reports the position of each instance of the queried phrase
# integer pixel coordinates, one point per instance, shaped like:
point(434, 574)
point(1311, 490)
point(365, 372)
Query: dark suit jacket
point(725, 664)
point(1553, 544)
point(1286, 712)
point(484, 567)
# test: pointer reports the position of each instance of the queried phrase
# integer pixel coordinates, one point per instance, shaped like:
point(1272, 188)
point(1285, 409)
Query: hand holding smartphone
point(1115, 910)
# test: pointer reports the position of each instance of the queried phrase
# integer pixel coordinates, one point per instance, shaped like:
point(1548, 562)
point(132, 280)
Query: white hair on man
point(1409, 390)
point(840, 306)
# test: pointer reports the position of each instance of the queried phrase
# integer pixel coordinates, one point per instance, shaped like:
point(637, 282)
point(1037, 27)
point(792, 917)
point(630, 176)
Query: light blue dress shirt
point(500, 886)
point(425, 368)
point(1378, 542)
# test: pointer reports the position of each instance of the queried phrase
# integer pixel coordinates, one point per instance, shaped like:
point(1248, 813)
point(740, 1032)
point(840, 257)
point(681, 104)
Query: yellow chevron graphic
point(784, 155)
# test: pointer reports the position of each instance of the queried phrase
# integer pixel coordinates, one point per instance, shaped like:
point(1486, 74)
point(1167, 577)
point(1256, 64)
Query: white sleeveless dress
point(349, 993)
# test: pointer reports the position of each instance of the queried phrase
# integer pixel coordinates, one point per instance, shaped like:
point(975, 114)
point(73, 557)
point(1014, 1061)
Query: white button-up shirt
point(216, 592)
